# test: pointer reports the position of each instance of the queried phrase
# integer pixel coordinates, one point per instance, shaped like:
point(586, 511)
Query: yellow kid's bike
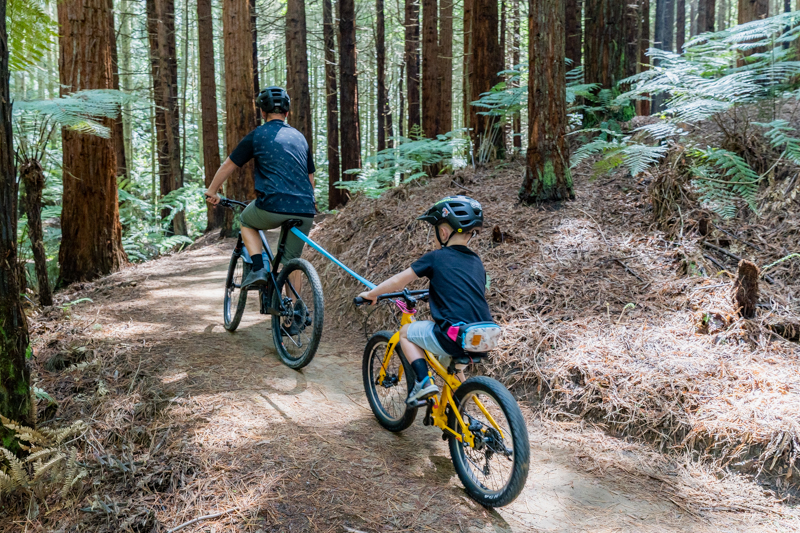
point(480, 419)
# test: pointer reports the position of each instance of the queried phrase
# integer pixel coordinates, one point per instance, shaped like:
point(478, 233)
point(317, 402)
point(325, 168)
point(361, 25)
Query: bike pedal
point(419, 403)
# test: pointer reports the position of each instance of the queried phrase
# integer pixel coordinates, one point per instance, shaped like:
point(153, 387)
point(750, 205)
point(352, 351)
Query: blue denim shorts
point(421, 333)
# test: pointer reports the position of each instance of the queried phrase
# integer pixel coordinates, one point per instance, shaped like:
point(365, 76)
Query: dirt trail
point(300, 451)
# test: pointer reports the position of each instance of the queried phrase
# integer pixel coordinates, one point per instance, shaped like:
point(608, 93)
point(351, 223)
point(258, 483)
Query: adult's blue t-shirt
point(282, 164)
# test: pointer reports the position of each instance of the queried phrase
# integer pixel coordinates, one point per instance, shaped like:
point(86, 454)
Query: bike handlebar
point(228, 202)
point(406, 295)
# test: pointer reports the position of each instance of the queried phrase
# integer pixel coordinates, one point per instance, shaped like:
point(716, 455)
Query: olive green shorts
point(255, 218)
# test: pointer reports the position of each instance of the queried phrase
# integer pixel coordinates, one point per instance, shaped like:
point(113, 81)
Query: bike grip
point(358, 300)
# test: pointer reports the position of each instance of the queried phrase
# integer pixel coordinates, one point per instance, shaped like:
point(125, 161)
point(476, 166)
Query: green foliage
point(31, 34)
point(409, 160)
point(706, 83)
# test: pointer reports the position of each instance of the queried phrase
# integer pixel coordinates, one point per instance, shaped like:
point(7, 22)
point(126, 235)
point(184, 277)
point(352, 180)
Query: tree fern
point(723, 178)
point(31, 33)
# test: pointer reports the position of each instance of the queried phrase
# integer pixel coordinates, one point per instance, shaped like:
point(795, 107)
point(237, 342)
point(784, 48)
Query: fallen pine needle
point(201, 518)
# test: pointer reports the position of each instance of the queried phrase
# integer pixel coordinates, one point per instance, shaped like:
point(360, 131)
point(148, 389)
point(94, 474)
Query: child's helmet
point(461, 212)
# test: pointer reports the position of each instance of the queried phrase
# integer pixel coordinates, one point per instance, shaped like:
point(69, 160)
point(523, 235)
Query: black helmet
point(274, 100)
point(461, 212)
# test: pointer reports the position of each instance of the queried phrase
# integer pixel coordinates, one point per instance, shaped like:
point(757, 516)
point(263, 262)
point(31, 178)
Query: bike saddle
point(471, 359)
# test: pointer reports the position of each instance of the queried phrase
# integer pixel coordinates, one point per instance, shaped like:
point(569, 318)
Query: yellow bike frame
point(445, 398)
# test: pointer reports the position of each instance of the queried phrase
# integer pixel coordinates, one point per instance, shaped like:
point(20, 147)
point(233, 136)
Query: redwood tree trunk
point(239, 101)
point(643, 106)
point(547, 175)
point(164, 65)
point(32, 176)
point(15, 379)
point(119, 129)
point(750, 10)
point(253, 28)
point(486, 63)
point(706, 12)
point(91, 235)
point(446, 62)
point(574, 30)
point(380, 50)
point(350, 125)
point(665, 24)
point(412, 62)
point(297, 69)
point(467, 63)
point(633, 29)
point(336, 197)
point(680, 24)
point(208, 106)
point(431, 70)
point(605, 41)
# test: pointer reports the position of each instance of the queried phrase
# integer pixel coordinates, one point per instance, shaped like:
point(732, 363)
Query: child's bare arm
point(394, 284)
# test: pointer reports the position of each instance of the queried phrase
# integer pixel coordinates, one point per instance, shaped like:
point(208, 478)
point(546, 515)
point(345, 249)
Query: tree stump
point(745, 294)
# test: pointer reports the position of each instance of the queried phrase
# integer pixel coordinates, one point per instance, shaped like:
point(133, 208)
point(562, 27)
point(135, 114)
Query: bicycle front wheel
point(495, 469)
point(297, 331)
point(387, 395)
point(235, 298)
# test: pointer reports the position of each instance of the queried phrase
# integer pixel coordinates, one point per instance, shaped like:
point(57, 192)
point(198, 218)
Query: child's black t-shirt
point(457, 290)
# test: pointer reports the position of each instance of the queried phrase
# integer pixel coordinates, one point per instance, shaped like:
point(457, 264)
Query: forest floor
point(187, 420)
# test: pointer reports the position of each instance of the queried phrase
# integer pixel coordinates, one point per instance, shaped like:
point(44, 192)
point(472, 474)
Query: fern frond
point(661, 131)
point(7, 485)
point(639, 157)
point(42, 469)
point(598, 146)
point(17, 469)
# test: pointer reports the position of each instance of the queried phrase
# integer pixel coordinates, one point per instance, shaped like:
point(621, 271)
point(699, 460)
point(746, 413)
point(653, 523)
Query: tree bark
point(547, 175)
point(32, 177)
point(215, 215)
point(467, 64)
point(239, 101)
point(253, 28)
point(118, 132)
point(750, 10)
point(431, 70)
point(336, 197)
point(486, 63)
point(745, 288)
point(706, 12)
point(412, 61)
point(297, 69)
point(693, 17)
point(350, 123)
point(380, 51)
point(604, 40)
point(91, 235)
point(643, 106)
point(574, 31)
point(446, 62)
point(164, 66)
point(680, 24)
point(517, 118)
point(633, 38)
point(665, 22)
point(15, 379)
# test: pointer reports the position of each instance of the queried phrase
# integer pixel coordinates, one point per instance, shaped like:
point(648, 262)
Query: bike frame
point(274, 262)
point(438, 411)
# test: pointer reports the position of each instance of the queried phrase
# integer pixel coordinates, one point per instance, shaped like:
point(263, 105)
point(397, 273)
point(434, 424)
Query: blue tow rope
point(327, 254)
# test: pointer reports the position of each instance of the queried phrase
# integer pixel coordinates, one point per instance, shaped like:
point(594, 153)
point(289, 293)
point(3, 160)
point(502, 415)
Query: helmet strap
point(438, 238)
point(474, 232)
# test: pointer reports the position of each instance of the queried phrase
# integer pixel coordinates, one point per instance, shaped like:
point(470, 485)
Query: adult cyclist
point(284, 181)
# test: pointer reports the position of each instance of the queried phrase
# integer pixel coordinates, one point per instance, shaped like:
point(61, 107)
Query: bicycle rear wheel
point(235, 298)
point(387, 396)
point(494, 471)
point(297, 331)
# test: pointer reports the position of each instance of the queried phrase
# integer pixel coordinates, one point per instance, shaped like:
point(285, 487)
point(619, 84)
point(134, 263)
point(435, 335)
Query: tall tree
point(633, 40)
point(254, 29)
point(431, 70)
point(547, 175)
point(118, 132)
point(15, 379)
point(297, 69)
point(605, 36)
point(350, 124)
point(446, 61)
point(239, 101)
point(664, 31)
point(91, 235)
point(336, 196)
point(467, 63)
point(643, 106)
point(515, 59)
point(412, 61)
point(706, 12)
point(750, 10)
point(680, 24)
point(380, 51)
point(574, 31)
point(208, 106)
point(164, 67)
point(486, 63)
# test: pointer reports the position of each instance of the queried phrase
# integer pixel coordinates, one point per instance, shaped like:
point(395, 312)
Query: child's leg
point(414, 354)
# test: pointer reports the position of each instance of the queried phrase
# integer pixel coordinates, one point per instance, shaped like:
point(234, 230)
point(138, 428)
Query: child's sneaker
point(422, 390)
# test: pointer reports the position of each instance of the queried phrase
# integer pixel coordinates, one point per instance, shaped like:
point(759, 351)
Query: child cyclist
point(457, 288)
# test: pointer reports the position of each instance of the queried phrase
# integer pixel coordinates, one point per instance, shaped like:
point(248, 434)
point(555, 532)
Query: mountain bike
point(292, 298)
point(482, 422)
